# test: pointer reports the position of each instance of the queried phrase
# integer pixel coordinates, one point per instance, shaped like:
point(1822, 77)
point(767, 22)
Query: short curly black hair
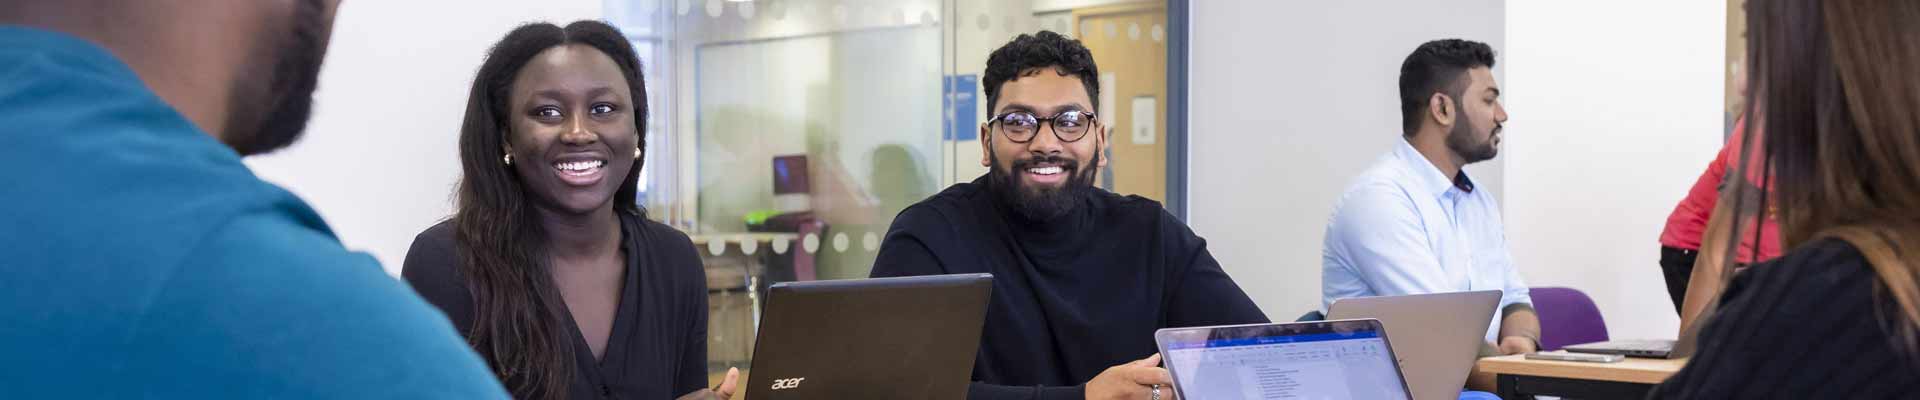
point(1435, 66)
point(1025, 54)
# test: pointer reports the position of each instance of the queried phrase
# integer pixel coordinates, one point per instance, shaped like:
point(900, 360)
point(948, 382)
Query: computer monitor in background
point(792, 190)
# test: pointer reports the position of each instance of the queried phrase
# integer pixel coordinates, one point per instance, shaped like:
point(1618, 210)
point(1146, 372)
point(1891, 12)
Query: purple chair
point(1567, 317)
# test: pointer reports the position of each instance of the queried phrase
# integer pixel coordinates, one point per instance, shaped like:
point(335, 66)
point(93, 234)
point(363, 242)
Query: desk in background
point(1632, 378)
point(737, 275)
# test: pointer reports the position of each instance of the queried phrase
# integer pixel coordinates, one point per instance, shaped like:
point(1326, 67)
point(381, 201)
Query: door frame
point(1178, 33)
point(1179, 13)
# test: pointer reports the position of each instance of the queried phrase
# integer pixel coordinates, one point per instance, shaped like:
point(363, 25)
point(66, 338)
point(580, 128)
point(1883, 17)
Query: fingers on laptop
point(1150, 361)
point(1147, 376)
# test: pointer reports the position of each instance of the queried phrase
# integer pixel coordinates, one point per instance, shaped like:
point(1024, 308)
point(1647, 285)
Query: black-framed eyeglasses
point(1022, 126)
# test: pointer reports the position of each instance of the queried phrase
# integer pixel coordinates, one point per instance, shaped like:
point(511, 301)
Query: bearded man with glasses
point(1082, 276)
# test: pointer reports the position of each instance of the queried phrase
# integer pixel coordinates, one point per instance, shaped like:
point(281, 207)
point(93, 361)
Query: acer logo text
point(790, 383)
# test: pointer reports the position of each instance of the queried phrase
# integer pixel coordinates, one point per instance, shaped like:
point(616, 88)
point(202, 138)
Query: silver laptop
point(1631, 348)
point(1438, 335)
point(1335, 360)
point(1650, 348)
point(1645, 348)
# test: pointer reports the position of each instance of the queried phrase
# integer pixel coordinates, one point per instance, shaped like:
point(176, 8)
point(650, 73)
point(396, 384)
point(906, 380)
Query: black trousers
point(1677, 265)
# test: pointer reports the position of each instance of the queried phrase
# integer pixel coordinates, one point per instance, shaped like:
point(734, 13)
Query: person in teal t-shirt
point(139, 258)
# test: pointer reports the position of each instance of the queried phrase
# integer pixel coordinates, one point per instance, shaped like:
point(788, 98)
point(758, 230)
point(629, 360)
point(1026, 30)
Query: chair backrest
point(1567, 317)
point(803, 260)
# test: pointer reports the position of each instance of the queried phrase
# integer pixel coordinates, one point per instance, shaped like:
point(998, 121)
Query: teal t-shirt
point(140, 259)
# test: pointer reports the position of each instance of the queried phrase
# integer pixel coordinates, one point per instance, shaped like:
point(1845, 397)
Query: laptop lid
point(1439, 334)
point(1630, 348)
point(883, 338)
point(1348, 359)
point(1654, 348)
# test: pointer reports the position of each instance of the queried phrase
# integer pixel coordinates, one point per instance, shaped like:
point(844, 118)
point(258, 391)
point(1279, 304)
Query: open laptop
point(1643, 348)
point(1654, 348)
point(883, 338)
point(1630, 348)
point(1438, 335)
point(1346, 359)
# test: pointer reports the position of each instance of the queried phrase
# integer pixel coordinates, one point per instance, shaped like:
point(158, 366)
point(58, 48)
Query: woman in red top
point(1699, 218)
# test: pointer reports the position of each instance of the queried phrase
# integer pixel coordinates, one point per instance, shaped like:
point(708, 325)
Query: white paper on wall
point(1145, 118)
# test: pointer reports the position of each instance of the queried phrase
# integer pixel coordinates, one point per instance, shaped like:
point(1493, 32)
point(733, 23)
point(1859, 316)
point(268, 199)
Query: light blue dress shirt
point(1403, 228)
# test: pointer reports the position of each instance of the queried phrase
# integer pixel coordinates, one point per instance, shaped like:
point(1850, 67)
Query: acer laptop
point(1343, 359)
point(882, 338)
point(1438, 335)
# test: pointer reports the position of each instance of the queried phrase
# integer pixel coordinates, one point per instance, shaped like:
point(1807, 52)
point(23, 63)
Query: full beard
point(1041, 203)
point(270, 105)
point(1460, 141)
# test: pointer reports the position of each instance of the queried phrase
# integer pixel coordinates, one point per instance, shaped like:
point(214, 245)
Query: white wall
point(378, 160)
point(1611, 124)
point(1289, 101)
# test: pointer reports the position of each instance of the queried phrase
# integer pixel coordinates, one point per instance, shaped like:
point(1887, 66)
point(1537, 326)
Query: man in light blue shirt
point(140, 259)
point(1413, 222)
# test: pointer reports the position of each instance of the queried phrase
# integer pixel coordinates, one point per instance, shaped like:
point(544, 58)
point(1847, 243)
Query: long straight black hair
point(519, 322)
point(1842, 138)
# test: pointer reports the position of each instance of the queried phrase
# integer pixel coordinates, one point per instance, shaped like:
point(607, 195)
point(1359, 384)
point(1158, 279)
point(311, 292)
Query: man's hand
point(1511, 345)
point(724, 392)
point(1131, 381)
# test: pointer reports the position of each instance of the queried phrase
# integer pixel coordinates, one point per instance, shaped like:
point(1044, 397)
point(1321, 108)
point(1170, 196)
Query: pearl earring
point(507, 158)
point(636, 153)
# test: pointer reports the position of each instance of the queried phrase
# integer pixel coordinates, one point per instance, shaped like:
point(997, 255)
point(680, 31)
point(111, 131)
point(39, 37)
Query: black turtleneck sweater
point(1072, 296)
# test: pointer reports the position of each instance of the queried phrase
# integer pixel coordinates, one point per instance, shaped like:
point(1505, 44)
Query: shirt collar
point(1426, 176)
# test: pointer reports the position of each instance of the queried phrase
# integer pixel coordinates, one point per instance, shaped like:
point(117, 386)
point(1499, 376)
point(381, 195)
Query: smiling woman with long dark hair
point(548, 266)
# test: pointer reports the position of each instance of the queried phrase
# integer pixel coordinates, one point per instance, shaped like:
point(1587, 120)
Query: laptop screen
point(1317, 360)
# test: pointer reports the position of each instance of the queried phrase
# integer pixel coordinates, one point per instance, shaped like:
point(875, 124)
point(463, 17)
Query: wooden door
point(1129, 45)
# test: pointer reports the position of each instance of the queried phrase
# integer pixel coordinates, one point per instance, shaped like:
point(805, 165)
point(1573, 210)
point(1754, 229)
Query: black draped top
point(658, 346)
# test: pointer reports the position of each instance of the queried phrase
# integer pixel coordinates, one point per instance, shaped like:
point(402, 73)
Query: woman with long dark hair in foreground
point(1836, 316)
point(548, 266)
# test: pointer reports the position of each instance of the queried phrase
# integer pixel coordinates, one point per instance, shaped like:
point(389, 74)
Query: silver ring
point(1156, 392)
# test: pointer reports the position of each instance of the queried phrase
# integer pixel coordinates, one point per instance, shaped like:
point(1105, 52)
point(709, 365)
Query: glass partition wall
point(785, 135)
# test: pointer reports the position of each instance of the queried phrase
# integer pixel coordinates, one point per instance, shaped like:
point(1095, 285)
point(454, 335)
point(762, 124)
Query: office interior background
point(785, 134)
